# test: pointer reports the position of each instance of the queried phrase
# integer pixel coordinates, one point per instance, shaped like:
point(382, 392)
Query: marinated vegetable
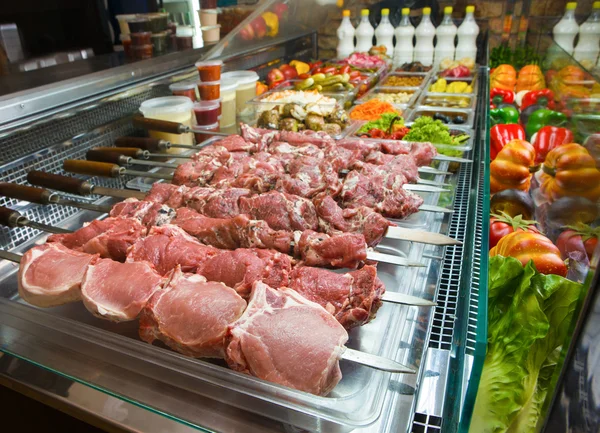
point(403, 81)
point(372, 110)
point(392, 97)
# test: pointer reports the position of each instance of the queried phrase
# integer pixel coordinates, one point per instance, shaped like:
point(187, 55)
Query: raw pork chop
point(118, 291)
point(110, 237)
point(191, 316)
point(242, 267)
point(284, 338)
point(51, 275)
point(353, 298)
point(281, 211)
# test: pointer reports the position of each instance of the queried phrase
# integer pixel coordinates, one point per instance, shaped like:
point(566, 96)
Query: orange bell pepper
point(503, 77)
point(513, 167)
point(530, 78)
point(525, 246)
point(569, 170)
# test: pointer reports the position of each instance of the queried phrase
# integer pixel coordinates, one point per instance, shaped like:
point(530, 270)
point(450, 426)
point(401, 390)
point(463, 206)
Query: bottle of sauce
point(384, 34)
point(405, 32)
point(467, 36)
point(364, 33)
point(345, 34)
point(566, 29)
point(445, 34)
point(587, 48)
point(425, 33)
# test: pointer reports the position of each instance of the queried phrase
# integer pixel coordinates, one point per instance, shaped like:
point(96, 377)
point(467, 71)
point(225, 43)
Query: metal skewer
point(115, 157)
point(13, 218)
point(105, 169)
point(170, 127)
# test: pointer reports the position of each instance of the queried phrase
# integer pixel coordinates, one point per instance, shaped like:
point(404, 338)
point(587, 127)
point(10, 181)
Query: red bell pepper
point(501, 134)
point(501, 96)
point(549, 137)
point(543, 97)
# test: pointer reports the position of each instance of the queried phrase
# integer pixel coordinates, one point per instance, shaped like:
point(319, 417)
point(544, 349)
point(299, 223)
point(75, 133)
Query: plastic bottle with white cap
point(445, 35)
point(384, 34)
point(364, 33)
point(467, 36)
point(566, 29)
point(587, 48)
point(425, 33)
point(405, 32)
point(345, 34)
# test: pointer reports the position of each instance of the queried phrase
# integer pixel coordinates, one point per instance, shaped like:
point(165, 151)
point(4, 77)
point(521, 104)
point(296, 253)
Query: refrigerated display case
point(102, 370)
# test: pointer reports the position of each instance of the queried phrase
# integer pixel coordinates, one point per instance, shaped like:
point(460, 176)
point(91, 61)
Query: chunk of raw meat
point(261, 137)
point(281, 211)
point(353, 298)
point(344, 250)
point(51, 275)
point(165, 193)
point(284, 338)
point(242, 267)
point(110, 237)
point(147, 212)
point(316, 138)
point(191, 315)
point(216, 203)
point(169, 246)
point(236, 143)
point(398, 165)
point(309, 176)
point(118, 291)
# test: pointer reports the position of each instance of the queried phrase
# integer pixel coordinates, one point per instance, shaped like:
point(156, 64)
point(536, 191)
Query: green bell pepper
point(504, 114)
point(543, 117)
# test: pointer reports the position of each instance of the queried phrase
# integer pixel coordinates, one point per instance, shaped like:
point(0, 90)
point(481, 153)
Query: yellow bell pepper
point(272, 21)
point(301, 67)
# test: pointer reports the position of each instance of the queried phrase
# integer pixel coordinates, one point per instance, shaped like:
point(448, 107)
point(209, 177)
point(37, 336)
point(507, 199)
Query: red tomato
point(344, 70)
point(579, 238)
point(503, 224)
point(354, 74)
point(329, 69)
point(318, 71)
point(303, 76)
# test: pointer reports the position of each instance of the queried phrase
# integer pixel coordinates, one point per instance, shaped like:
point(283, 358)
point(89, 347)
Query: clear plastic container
point(160, 42)
point(158, 22)
point(174, 109)
point(376, 92)
point(209, 70)
point(228, 102)
point(138, 25)
point(126, 42)
point(141, 51)
point(206, 112)
point(185, 37)
point(246, 90)
point(124, 22)
point(184, 88)
point(201, 132)
point(141, 38)
point(211, 33)
point(209, 90)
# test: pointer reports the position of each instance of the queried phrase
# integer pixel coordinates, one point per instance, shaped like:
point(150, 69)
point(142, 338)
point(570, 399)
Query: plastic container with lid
point(228, 105)
point(160, 42)
point(158, 22)
point(246, 89)
point(202, 132)
point(124, 24)
point(209, 90)
point(184, 88)
point(206, 112)
point(138, 25)
point(141, 51)
point(174, 109)
point(141, 38)
point(185, 37)
point(208, 17)
point(211, 33)
point(126, 42)
point(209, 70)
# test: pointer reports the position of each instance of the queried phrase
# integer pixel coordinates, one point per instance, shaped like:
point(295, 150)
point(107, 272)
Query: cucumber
point(303, 85)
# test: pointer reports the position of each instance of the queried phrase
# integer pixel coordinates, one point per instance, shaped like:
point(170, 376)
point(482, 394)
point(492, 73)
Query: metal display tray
point(414, 91)
point(423, 110)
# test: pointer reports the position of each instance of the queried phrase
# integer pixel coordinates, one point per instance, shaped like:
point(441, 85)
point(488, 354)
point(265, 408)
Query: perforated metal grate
point(426, 424)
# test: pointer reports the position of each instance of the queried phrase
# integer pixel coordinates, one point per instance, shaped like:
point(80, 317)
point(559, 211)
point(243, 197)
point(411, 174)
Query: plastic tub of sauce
point(174, 109)
point(208, 17)
point(211, 33)
point(126, 42)
point(202, 133)
point(158, 22)
point(160, 42)
point(209, 90)
point(245, 91)
point(138, 25)
point(228, 102)
point(123, 23)
point(185, 36)
point(184, 88)
point(207, 112)
point(141, 51)
point(141, 38)
point(209, 70)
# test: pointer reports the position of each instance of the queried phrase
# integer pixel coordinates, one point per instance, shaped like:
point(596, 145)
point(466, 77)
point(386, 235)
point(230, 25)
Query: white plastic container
point(445, 34)
point(587, 49)
point(364, 33)
point(566, 29)
point(228, 102)
point(345, 34)
point(245, 91)
point(467, 36)
point(384, 34)
point(208, 17)
point(405, 32)
point(425, 33)
point(174, 109)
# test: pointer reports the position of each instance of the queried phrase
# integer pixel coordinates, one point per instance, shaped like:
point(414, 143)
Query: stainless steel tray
point(422, 110)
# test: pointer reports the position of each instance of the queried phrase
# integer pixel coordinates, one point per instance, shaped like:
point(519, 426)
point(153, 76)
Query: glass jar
point(184, 88)
point(209, 90)
point(228, 102)
point(174, 109)
point(246, 89)
point(209, 70)
point(206, 112)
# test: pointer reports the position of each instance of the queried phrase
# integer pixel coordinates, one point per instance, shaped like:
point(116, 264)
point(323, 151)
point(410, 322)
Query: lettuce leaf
point(530, 315)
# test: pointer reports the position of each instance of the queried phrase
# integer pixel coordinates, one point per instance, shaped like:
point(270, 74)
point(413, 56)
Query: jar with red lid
point(206, 112)
point(141, 38)
point(209, 90)
point(184, 88)
point(203, 132)
point(141, 51)
point(209, 70)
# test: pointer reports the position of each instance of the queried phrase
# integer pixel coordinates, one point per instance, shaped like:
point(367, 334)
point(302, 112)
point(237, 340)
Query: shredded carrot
point(372, 110)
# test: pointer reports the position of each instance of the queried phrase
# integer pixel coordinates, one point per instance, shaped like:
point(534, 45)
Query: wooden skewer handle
point(24, 192)
point(92, 168)
point(8, 217)
point(145, 143)
point(112, 157)
point(160, 125)
point(62, 183)
point(132, 152)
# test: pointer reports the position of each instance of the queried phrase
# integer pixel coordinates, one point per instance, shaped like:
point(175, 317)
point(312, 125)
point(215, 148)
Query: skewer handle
point(26, 193)
point(8, 217)
point(132, 152)
point(92, 168)
point(146, 143)
point(62, 183)
point(112, 157)
point(160, 125)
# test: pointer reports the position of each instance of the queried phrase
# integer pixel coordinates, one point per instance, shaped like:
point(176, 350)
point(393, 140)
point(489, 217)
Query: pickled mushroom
point(339, 116)
point(288, 124)
point(314, 122)
point(269, 119)
point(332, 129)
